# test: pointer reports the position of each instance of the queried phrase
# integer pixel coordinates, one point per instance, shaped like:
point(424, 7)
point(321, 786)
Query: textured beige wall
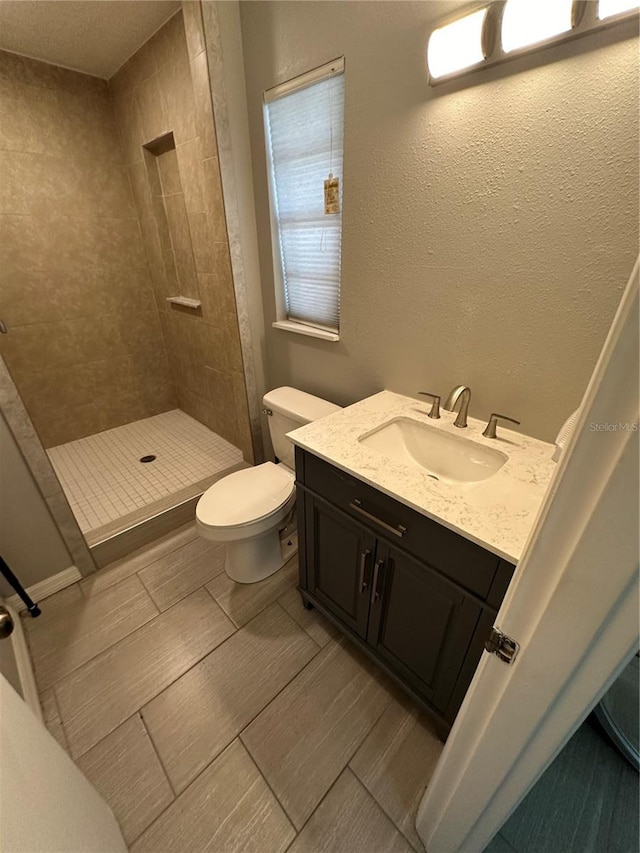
point(164, 88)
point(29, 539)
point(487, 232)
point(85, 345)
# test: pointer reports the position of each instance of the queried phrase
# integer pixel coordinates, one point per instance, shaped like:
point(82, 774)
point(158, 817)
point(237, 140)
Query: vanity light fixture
point(456, 46)
point(608, 8)
point(525, 23)
point(487, 34)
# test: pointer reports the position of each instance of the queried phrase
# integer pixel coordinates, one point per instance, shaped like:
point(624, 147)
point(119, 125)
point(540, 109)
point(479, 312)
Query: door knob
point(6, 623)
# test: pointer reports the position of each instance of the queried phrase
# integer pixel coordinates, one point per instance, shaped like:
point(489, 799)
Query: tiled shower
point(110, 205)
point(106, 482)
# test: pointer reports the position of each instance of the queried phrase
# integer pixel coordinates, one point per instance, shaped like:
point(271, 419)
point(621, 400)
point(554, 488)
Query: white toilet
point(247, 510)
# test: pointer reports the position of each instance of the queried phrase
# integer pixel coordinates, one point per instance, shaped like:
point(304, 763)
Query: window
point(304, 121)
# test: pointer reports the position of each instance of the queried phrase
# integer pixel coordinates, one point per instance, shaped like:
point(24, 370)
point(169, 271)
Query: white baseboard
point(47, 587)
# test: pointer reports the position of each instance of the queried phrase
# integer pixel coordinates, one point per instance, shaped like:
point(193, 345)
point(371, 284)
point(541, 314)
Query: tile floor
point(104, 480)
point(223, 717)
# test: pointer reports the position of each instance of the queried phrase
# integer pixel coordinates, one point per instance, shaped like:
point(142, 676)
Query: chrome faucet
point(462, 393)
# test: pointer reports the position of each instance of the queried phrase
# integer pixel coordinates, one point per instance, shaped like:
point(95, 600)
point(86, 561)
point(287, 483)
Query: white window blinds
point(305, 128)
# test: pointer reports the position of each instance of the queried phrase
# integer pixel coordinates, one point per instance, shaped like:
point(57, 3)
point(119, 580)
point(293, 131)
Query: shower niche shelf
point(172, 220)
point(185, 301)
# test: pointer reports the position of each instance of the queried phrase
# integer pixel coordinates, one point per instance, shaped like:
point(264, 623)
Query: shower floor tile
point(104, 480)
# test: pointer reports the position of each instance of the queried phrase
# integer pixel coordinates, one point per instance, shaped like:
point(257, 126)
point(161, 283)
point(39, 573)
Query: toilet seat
point(246, 497)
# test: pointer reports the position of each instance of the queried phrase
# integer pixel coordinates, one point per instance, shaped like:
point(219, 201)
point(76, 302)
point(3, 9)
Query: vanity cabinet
point(415, 596)
point(339, 571)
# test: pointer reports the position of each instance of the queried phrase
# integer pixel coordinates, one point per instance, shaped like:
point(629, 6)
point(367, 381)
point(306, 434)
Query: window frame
point(282, 321)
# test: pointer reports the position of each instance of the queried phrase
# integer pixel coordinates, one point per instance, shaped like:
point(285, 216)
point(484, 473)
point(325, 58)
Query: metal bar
point(398, 531)
point(32, 607)
point(363, 564)
point(375, 594)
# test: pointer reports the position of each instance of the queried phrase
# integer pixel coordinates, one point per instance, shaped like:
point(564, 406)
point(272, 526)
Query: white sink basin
point(440, 454)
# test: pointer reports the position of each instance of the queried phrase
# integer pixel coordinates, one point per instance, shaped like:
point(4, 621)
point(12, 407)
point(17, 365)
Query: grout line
point(106, 648)
point(160, 761)
point(64, 731)
point(264, 606)
point(155, 751)
point(147, 701)
point(381, 805)
point(302, 628)
point(237, 736)
point(345, 766)
point(320, 802)
point(185, 595)
point(266, 782)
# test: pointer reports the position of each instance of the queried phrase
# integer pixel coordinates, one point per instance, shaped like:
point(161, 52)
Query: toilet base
point(253, 560)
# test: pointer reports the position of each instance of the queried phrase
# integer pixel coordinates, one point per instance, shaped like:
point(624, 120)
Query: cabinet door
point(420, 624)
point(340, 557)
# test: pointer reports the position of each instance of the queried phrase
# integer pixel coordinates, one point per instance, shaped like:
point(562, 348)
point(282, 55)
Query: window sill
point(301, 329)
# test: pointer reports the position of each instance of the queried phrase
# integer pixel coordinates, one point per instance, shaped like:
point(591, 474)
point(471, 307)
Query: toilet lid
point(245, 496)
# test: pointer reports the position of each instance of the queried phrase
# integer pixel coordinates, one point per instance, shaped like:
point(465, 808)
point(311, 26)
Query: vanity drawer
point(449, 553)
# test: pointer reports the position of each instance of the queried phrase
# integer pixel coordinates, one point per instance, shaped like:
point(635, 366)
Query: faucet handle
point(435, 406)
point(490, 429)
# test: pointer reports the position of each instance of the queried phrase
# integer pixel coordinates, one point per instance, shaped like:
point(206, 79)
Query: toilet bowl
point(250, 509)
point(245, 511)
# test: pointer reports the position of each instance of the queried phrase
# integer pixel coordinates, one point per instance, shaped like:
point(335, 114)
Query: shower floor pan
point(133, 483)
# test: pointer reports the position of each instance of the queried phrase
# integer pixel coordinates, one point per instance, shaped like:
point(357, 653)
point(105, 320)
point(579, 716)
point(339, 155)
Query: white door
point(573, 607)
point(46, 804)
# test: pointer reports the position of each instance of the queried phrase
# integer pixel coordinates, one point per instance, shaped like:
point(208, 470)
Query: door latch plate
point(503, 647)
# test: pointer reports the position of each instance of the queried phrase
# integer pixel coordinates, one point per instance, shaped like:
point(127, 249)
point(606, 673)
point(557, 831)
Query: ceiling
point(93, 36)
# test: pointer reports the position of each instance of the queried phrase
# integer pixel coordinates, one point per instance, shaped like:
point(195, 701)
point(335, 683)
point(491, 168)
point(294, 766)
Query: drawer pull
point(376, 570)
point(363, 566)
point(398, 531)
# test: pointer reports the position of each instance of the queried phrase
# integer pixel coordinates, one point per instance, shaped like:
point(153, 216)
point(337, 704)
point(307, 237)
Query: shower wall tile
point(21, 69)
point(201, 240)
point(177, 96)
point(130, 124)
point(68, 425)
point(150, 103)
point(40, 185)
point(178, 195)
point(213, 201)
point(141, 189)
point(78, 290)
point(136, 70)
point(216, 290)
point(159, 279)
point(232, 346)
point(204, 109)
point(245, 439)
point(169, 173)
point(65, 387)
point(182, 245)
point(171, 43)
point(194, 33)
point(189, 161)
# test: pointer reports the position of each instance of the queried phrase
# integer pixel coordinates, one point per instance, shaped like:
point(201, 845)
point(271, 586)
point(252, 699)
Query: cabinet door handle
point(376, 570)
point(398, 531)
point(363, 565)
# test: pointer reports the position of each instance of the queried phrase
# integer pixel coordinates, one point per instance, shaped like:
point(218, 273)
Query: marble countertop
point(497, 513)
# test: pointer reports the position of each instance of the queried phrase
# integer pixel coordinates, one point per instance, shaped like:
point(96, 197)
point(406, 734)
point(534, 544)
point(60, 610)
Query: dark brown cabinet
point(339, 571)
point(417, 598)
point(420, 624)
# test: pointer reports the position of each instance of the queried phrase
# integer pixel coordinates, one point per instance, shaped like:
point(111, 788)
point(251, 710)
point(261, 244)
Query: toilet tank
point(291, 409)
